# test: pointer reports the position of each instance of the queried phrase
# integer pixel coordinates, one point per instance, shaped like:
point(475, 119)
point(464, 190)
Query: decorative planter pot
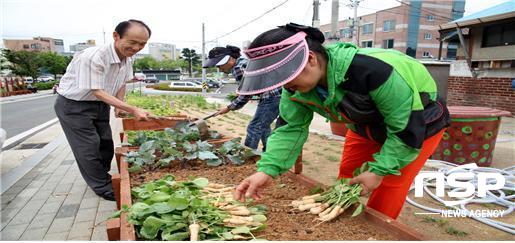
point(471, 136)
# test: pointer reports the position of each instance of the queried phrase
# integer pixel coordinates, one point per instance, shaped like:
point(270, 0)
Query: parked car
point(45, 78)
point(184, 84)
point(140, 77)
point(28, 80)
point(213, 84)
point(151, 80)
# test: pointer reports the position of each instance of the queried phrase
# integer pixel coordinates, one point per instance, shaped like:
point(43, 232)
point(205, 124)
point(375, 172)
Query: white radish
point(194, 229)
point(311, 196)
point(333, 214)
point(307, 201)
point(236, 221)
point(305, 207)
point(240, 212)
point(215, 185)
point(325, 212)
point(319, 209)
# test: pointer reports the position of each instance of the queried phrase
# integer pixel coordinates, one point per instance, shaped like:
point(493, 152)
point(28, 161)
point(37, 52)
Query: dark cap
point(216, 56)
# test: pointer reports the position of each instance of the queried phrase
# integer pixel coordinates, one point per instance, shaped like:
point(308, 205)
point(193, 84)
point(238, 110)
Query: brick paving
point(53, 202)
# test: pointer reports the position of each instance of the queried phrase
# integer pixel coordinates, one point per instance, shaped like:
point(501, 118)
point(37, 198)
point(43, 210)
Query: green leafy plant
point(160, 149)
point(167, 209)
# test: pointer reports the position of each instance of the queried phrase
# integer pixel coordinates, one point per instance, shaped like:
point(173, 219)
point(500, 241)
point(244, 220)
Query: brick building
point(36, 44)
point(484, 74)
point(411, 28)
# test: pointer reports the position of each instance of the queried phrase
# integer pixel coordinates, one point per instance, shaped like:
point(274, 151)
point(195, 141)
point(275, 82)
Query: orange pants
point(390, 196)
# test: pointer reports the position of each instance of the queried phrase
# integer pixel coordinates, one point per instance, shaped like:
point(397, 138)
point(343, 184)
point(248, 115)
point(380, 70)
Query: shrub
point(44, 85)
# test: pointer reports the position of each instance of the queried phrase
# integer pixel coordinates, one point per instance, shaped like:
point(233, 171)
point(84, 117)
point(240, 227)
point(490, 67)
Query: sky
point(172, 21)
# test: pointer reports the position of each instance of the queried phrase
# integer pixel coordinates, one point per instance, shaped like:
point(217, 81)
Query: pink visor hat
point(272, 66)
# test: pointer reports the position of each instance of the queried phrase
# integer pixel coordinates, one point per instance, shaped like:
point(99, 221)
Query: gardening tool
point(202, 125)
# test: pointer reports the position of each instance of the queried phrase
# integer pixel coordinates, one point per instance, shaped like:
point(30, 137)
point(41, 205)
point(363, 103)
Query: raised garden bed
point(153, 123)
point(283, 223)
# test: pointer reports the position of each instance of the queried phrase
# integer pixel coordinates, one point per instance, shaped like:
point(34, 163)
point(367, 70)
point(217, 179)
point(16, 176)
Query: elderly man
point(94, 81)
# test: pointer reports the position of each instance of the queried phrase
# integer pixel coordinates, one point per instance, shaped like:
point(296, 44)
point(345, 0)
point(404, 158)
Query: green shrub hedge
point(44, 85)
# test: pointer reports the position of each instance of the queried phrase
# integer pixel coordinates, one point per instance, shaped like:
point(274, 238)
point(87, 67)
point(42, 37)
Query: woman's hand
point(223, 111)
point(368, 180)
point(252, 186)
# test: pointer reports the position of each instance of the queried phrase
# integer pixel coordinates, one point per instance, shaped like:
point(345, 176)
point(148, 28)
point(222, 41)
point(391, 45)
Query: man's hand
point(252, 186)
point(223, 111)
point(368, 180)
point(120, 112)
point(140, 114)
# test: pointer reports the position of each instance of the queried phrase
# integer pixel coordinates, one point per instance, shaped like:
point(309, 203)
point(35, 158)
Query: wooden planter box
point(152, 124)
point(120, 229)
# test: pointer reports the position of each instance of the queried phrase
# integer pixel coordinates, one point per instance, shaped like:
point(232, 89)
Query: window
point(366, 44)
point(327, 34)
point(345, 33)
point(426, 54)
point(428, 36)
point(25, 46)
point(367, 29)
point(36, 46)
point(388, 44)
point(178, 84)
point(388, 25)
point(499, 35)
point(189, 84)
point(430, 18)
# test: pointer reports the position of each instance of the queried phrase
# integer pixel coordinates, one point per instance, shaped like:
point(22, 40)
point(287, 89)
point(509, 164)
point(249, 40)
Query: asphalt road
point(20, 116)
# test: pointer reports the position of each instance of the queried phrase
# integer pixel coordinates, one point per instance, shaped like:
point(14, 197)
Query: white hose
point(499, 197)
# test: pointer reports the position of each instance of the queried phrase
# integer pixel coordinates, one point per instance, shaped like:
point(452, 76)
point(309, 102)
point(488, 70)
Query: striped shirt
point(95, 68)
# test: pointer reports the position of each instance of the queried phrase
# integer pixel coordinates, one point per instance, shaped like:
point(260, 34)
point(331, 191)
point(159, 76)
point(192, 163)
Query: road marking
point(14, 140)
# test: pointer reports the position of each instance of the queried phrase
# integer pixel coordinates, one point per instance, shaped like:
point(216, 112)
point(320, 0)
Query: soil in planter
point(283, 223)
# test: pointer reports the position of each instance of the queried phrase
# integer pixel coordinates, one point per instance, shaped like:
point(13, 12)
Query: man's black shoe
point(109, 196)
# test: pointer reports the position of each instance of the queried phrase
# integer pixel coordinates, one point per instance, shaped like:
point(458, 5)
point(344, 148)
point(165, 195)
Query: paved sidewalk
point(53, 202)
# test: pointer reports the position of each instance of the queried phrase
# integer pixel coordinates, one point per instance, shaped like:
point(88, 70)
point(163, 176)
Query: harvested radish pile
point(333, 202)
point(282, 222)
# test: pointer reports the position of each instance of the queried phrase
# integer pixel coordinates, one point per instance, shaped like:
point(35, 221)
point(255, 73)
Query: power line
point(251, 21)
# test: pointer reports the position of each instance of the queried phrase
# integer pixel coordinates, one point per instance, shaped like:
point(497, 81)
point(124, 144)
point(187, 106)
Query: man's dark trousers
point(86, 126)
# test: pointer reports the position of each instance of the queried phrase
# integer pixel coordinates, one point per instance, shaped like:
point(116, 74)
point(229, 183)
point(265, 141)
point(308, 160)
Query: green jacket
point(375, 91)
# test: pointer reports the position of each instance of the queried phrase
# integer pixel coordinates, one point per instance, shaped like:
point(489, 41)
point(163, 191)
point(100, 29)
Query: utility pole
point(354, 4)
point(316, 19)
point(334, 20)
point(203, 58)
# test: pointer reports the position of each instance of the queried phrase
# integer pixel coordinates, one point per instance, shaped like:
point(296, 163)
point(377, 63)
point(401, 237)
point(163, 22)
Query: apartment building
point(411, 28)
point(36, 44)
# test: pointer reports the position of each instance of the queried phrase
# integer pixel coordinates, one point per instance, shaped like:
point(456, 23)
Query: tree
point(22, 63)
point(191, 58)
point(145, 64)
point(53, 63)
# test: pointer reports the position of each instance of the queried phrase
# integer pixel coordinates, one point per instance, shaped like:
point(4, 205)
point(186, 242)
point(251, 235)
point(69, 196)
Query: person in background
point(229, 60)
point(94, 81)
point(388, 99)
